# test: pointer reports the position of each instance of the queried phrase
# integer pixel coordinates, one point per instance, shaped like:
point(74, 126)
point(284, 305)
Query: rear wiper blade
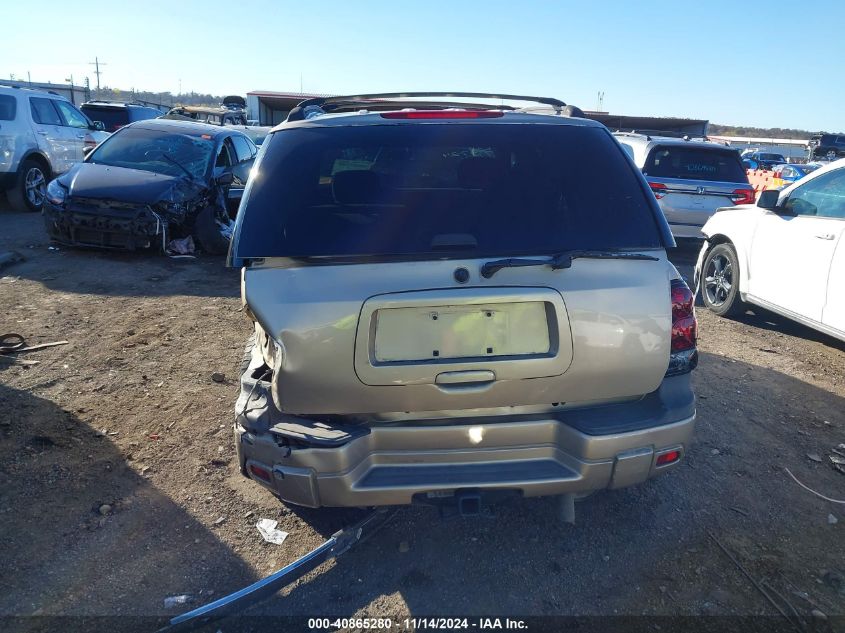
point(559, 261)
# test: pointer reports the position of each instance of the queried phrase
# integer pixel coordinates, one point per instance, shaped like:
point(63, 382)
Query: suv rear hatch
point(692, 181)
point(364, 247)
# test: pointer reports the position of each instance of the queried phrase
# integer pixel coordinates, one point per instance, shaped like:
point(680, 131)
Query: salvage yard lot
point(118, 482)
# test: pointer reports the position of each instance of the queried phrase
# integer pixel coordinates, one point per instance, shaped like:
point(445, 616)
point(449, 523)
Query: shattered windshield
point(157, 151)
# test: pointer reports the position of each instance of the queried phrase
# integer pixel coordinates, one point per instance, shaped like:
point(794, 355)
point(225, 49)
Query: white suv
point(41, 135)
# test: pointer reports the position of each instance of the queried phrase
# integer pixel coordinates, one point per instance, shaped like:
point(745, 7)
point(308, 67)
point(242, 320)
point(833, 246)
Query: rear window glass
point(8, 105)
point(694, 163)
point(112, 118)
point(142, 114)
point(443, 189)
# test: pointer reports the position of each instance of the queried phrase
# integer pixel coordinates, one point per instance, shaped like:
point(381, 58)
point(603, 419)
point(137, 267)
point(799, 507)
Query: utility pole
point(600, 103)
point(72, 91)
point(96, 64)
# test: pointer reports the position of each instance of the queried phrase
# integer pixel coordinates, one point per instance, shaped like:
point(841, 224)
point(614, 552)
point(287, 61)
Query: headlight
point(56, 194)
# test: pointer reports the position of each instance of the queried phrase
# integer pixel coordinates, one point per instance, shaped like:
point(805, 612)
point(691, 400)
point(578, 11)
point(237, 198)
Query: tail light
point(683, 357)
point(443, 114)
point(261, 473)
point(743, 196)
point(668, 457)
point(658, 189)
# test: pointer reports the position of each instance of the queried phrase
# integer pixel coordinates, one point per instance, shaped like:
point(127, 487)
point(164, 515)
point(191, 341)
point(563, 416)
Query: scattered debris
point(105, 509)
point(267, 528)
point(750, 577)
point(715, 451)
point(13, 343)
point(832, 520)
point(808, 489)
point(248, 514)
point(220, 521)
point(184, 246)
point(174, 601)
point(404, 547)
point(218, 377)
point(739, 511)
point(818, 615)
point(814, 457)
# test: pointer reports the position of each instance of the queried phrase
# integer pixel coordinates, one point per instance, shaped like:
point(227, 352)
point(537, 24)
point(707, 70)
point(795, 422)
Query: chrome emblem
point(699, 190)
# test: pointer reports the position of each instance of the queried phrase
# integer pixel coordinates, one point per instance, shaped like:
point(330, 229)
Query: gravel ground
point(118, 484)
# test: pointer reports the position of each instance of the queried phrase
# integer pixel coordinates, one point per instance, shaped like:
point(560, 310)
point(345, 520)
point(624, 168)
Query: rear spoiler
point(387, 100)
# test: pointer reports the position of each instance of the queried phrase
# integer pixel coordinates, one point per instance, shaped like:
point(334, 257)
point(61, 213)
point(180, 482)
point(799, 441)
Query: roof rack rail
point(324, 105)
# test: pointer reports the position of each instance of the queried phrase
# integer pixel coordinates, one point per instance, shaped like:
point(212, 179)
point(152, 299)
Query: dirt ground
point(118, 483)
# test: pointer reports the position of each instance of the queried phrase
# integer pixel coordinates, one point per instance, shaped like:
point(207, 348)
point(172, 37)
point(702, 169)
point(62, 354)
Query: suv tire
point(720, 281)
point(30, 187)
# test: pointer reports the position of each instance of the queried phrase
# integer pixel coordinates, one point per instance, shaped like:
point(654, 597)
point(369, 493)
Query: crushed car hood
point(91, 180)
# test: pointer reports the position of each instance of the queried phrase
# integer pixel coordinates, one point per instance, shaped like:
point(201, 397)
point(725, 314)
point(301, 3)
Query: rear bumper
point(128, 228)
point(574, 451)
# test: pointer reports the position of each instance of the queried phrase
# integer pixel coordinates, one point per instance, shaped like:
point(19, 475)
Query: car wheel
point(207, 233)
point(30, 188)
point(720, 281)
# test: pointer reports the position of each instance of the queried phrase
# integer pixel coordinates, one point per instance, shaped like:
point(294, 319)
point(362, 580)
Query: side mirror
point(87, 149)
point(768, 199)
point(99, 126)
point(225, 179)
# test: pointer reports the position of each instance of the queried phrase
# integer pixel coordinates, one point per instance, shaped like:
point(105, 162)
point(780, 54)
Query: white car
point(42, 135)
point(786, 253)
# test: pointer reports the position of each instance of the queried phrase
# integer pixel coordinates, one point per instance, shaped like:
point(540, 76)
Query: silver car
point(42, 135)
point(454, 305)
point(690, 179)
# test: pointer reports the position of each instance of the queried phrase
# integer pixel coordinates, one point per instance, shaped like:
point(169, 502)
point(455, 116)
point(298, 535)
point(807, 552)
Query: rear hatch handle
point(471, 376)
point(559, 261)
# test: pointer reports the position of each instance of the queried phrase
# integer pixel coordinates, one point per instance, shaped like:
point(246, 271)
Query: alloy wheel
point(35, 186)
point(718, 280)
